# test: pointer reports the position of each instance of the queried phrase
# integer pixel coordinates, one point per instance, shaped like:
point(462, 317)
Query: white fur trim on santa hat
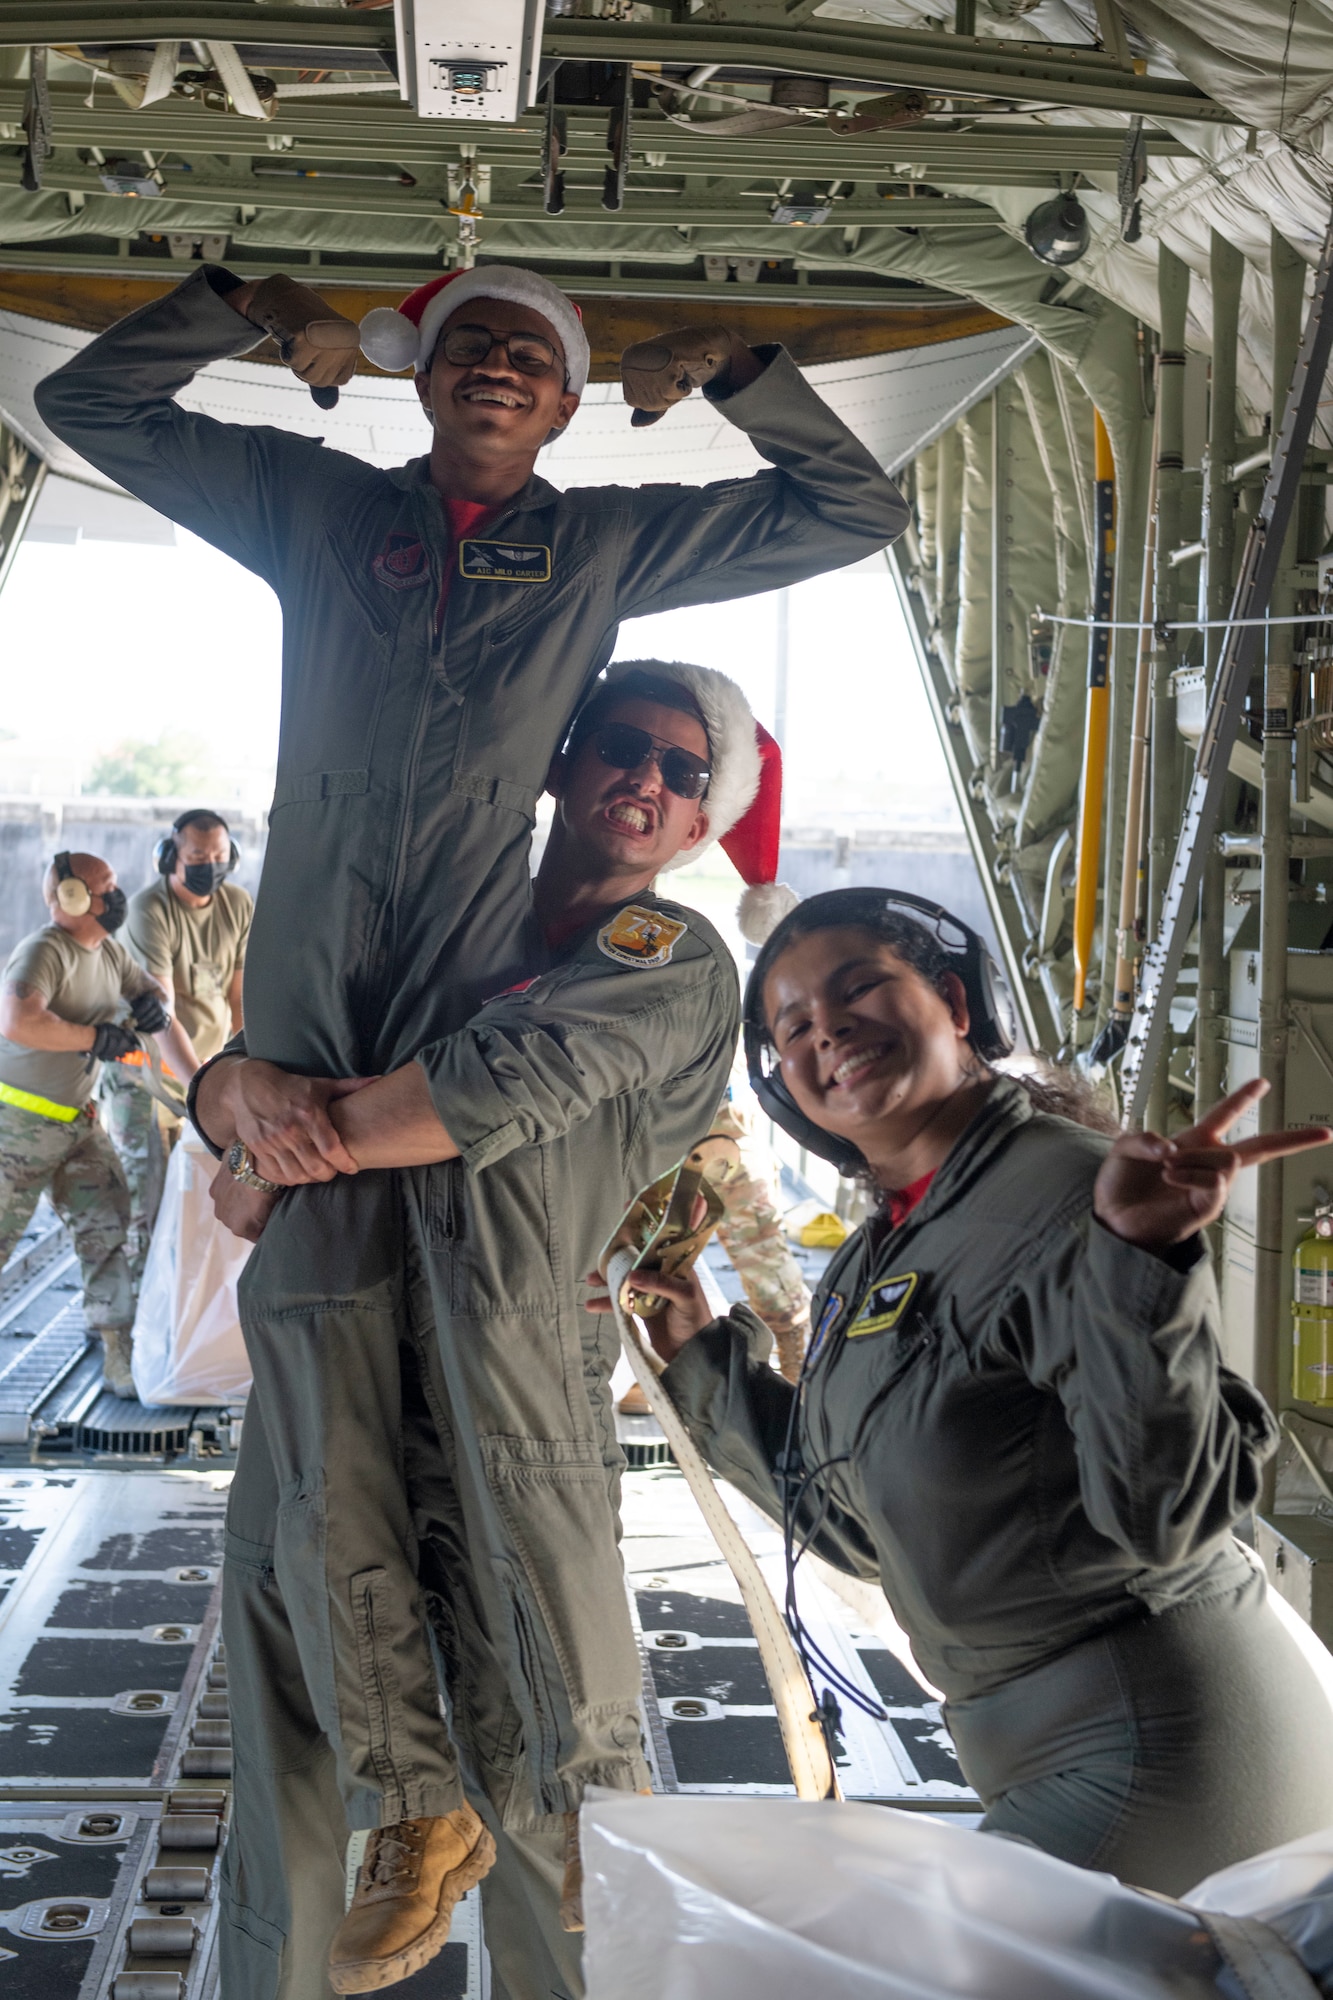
point(762, 908)
point(731, 741)
point(392, 342)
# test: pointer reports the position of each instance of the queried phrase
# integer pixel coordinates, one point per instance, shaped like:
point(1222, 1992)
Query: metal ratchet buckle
point(663, 1224)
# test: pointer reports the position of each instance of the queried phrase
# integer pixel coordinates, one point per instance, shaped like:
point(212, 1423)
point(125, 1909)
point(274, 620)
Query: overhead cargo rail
point(855, 57)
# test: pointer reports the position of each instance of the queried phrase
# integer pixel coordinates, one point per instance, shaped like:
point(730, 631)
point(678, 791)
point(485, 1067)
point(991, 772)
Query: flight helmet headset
point(73, 895)
point(167, 852)
point(990, 1005)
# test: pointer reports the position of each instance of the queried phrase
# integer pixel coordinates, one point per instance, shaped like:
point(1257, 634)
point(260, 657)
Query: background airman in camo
point(752, 1235)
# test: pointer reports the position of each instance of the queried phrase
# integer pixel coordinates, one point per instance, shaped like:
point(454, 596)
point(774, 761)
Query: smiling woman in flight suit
point(1014, 1414)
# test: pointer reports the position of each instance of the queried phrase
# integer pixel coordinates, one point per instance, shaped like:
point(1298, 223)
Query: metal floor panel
point(54, 1408)
point(711, 1724)
point(106, 1613)
point(115, 1754)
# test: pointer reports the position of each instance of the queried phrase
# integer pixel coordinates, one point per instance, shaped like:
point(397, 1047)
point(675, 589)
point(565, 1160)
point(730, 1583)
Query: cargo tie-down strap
point(149, 1076)
point(802, 1737)
point(665, 1228)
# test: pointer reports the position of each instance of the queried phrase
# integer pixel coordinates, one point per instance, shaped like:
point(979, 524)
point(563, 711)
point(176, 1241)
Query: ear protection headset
point(166, 854)
point(989, 1003)
point(72, 893)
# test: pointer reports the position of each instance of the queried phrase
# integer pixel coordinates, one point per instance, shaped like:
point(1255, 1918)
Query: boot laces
point(393, 1855)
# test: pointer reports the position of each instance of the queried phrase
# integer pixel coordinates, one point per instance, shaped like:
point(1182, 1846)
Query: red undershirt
point(900, 1203)
point(462, 518)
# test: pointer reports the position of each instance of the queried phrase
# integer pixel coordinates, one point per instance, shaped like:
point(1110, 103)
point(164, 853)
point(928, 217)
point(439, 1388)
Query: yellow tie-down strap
point(41, 1107)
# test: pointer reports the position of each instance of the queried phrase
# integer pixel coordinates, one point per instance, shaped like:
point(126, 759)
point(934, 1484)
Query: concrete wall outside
point(936, 864)
point(123, 831)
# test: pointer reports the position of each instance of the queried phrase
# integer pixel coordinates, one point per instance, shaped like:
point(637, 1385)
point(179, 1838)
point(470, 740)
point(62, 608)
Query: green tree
point(138, 769)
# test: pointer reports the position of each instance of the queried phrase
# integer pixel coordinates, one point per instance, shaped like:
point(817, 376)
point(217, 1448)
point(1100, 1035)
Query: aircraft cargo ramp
point(115, 1736)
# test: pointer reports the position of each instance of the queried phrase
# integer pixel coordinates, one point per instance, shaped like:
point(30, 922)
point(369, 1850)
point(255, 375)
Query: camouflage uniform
point(131, 1120)
point(752, 1235)
point(76, 1164)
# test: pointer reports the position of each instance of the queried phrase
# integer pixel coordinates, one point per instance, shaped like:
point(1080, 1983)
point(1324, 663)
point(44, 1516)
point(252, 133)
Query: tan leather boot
point(412, 1876)
point(117, 1346)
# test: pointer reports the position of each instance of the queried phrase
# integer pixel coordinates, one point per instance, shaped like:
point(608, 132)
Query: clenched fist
point(657, 373)
point(317, 344)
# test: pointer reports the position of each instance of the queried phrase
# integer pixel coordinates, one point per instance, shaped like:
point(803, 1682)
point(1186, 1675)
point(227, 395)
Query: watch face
point(236, 1157)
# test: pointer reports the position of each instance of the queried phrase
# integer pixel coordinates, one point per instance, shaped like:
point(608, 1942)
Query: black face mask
point(203, 877)
point(112, 914)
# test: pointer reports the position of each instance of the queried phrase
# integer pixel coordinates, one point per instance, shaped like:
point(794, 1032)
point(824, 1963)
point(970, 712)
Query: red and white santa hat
point(744, 802)
point(406, 338)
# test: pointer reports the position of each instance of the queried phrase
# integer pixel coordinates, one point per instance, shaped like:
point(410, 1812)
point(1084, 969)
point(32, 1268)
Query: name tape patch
point(883, 1305)
point(636, 936)
point(505, 562)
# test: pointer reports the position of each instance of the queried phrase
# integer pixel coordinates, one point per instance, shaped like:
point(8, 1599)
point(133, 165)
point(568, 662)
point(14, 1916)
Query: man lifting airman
point(441, 621)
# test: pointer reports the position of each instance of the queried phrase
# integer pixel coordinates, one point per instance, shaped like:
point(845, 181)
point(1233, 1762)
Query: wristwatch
point(241, 1167)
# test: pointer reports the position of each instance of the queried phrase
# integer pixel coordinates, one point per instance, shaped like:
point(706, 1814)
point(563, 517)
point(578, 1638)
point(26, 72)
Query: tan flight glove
point(657, 373)
point(317, 344)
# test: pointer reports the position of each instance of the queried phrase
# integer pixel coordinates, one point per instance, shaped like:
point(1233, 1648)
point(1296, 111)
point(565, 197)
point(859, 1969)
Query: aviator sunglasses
point(467, 346)
point(626, 748)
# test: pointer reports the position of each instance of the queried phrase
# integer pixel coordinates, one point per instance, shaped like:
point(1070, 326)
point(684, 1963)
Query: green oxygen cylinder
point(1312, 1311)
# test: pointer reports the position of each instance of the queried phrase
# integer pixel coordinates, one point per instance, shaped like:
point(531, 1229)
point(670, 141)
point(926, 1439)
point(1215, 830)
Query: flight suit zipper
point(435, 677)
point(439, 620)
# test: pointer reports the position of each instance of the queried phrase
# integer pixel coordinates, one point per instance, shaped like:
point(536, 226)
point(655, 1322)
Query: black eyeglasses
point(626, 748)
point(530, 353)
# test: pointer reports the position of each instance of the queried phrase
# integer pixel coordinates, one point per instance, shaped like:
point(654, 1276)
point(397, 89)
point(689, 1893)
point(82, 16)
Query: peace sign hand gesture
point(1156, 1192)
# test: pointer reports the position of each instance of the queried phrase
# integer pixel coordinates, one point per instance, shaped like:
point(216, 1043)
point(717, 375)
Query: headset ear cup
point(164, 854)
point(72, 893)
point(73, 897)
point(997, 1032)
point(234, 859)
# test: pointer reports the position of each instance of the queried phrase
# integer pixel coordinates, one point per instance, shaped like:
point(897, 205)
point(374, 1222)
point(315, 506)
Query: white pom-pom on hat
point(762, 908)
point(407, 337)
point(389, 339)
point(744, 802)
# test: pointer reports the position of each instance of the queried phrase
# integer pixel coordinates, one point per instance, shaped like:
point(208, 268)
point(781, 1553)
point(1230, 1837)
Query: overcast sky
point(104, 641)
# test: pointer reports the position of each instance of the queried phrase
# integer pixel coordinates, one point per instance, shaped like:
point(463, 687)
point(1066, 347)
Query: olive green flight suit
point(1022, 1427)
point(413, 746)
point(566, 1097)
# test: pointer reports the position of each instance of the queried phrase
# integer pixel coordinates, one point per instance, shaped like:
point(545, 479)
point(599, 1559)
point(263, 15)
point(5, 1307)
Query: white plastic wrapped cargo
point(187, 1335)
point(769, 1899)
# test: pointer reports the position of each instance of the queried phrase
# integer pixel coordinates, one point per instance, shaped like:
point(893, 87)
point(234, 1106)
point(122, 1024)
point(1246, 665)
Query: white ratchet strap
point(802, 1738)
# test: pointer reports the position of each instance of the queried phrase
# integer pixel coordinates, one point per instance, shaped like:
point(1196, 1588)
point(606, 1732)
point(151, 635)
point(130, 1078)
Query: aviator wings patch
point(883, 1305)
point(636, 936)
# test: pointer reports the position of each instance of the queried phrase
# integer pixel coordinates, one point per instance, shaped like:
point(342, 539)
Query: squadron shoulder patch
point(402, 563)
point(883, 1305)
point(636, 936)
point(505, 562)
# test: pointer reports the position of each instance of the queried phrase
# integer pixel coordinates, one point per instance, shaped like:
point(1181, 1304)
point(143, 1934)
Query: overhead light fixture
point(127, 177)
point(1057, 231)
point(801, 208)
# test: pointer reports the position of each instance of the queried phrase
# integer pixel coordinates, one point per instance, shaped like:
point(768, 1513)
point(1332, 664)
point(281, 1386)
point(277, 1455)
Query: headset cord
point(796, 1483)
point(812, 1654)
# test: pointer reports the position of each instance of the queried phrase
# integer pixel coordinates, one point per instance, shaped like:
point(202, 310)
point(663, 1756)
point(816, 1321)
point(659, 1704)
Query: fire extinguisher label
point(1314, 1288)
